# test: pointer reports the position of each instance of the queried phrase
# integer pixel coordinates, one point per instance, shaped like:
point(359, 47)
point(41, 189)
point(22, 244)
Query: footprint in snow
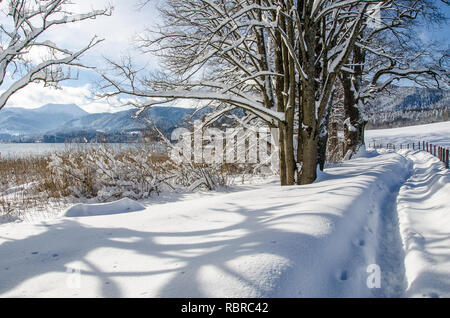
point(344, 275)
point(359, 242)
point(368, 229)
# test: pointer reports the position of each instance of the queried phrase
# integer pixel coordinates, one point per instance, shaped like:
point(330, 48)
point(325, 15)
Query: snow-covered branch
point(28, 23)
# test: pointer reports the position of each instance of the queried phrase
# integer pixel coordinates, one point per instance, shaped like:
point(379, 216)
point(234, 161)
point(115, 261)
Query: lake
point(40, 149)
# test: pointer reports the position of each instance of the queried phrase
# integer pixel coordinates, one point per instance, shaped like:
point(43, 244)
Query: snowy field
point(376, 226)
point(438, 133)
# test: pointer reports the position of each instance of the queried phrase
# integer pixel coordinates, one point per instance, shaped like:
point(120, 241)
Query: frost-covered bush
point(107, 174)
point(71, 173)
point(199, 176)
point(98, 175)
point(130, 174)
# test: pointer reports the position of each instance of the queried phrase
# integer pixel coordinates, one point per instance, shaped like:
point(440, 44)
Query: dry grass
point(34, 183)
point(19, 171)
point(20, 179)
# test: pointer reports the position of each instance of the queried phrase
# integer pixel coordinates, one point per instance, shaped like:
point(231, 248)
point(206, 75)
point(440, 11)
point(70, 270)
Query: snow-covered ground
point(377, 221)
point(424, 217)
point(437, 133)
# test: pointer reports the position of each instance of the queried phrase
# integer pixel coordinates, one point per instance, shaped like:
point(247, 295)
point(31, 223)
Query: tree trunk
point(309, 152)
point(308, 137)
point(322, 142)
point(354, 123)
point(289, 88)
point(282, 153)
point(279, 87)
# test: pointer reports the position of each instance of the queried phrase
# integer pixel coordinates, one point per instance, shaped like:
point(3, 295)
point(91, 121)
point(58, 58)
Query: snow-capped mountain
point(403, 106)
point(163, 117)
point(67, 109)
point(54, 119)
point(21, 121)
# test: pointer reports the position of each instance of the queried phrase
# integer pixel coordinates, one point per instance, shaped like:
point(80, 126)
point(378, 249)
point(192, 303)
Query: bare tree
point(388, 50)
point(28, 23)
point(276, 59)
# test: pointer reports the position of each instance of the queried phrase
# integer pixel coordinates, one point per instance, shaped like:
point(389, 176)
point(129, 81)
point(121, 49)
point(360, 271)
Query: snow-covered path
point(317, 240)
point(424, 215)
point(390, 254)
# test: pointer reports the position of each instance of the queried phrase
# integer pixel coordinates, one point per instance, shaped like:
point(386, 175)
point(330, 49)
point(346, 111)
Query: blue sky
point(118, 30)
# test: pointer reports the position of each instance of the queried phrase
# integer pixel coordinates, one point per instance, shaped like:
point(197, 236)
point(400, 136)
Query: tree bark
point(354, 123)
point(279, 87)
point(289, 86)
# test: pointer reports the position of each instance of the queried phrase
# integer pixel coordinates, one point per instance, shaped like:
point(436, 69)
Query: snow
point(121, 206)
point(349, 125)
point(380, 220)
point(363, 152)
point(423, 209)
point(262, 241)
point(436, 133)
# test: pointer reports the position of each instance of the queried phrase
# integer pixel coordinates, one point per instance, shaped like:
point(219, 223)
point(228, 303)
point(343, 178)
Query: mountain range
point(54, 119)
point(403, 106)
point(21, 121)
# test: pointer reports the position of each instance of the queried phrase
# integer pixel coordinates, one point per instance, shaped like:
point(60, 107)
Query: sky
point(118, 30)
point(127, 20)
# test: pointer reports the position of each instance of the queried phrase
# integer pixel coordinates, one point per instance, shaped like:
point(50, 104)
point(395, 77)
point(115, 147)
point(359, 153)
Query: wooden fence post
point(446, 158)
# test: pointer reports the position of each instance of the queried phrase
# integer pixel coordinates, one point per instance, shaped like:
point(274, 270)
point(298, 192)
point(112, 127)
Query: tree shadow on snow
point(70, 242)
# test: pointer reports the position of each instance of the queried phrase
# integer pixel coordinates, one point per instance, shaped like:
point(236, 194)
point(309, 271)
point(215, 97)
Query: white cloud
point(127, 20)
point(35, 95)
point(118, 30)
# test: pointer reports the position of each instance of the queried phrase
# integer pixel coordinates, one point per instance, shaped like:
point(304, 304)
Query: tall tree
point(388, 49)
point(276, 59)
